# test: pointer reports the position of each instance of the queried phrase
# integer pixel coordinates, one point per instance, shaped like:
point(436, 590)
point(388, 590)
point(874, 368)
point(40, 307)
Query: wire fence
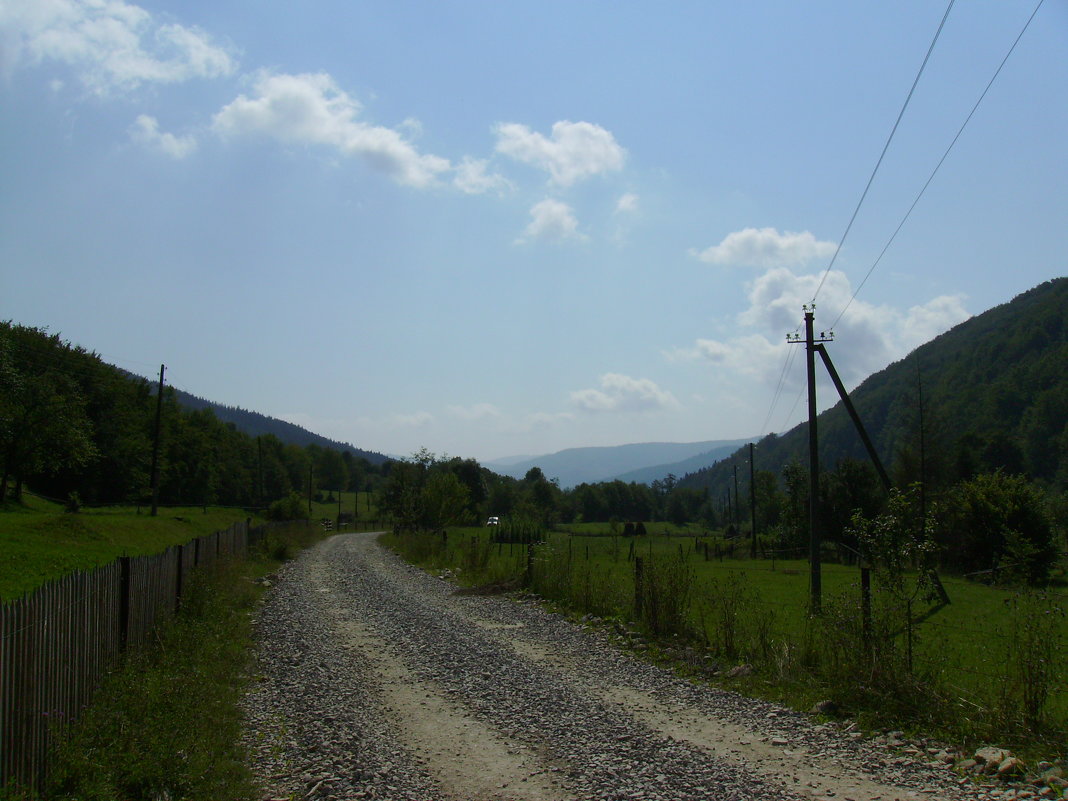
point(57, 643)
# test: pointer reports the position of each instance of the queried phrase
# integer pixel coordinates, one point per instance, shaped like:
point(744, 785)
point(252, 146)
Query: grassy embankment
point(166, 722)
point(988, 666)
point(39, 541)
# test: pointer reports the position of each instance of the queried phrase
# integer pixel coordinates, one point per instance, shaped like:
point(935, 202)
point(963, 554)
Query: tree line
point(75, 428)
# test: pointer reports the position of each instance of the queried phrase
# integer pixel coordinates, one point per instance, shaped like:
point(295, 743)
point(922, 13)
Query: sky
point(502, 228)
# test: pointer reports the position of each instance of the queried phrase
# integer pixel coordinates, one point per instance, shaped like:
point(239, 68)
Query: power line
point(778, 390)
point(886, 147)
point(939, 164)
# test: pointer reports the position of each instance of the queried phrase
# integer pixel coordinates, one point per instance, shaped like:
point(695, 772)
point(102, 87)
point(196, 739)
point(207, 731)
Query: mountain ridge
point(574, 466)
point(994, 389)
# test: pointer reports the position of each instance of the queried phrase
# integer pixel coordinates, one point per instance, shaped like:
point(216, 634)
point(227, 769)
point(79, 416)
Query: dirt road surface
point(376, 680)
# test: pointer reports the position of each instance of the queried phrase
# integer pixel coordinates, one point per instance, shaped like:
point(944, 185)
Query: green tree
point(402, 495)
point(997, 522)
point(331, 470)
point(43, 422)
point(444, 501)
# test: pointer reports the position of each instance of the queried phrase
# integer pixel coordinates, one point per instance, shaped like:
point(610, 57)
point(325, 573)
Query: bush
point(289, 508)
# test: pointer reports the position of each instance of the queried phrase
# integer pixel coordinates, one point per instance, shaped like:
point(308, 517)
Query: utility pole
point(814, 538)
point(752, 503)
point(259, 470)
point(310, 469)
point(155, 443)
point(737, 506)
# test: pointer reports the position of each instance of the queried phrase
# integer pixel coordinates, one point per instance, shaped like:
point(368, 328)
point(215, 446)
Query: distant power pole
point(814, 540)
point(752, 502)
point(155, 443)
point(737, 507)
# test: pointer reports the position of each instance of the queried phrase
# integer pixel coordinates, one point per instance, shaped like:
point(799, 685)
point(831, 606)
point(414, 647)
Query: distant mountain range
point(642, 463)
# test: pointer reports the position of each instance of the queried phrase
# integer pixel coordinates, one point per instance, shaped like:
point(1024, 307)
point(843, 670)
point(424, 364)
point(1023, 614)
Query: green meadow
point(41, 542)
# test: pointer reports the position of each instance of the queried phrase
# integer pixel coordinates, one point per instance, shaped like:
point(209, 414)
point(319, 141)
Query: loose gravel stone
point(377, 681)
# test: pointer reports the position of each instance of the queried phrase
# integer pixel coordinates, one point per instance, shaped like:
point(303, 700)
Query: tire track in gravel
point(489, 698)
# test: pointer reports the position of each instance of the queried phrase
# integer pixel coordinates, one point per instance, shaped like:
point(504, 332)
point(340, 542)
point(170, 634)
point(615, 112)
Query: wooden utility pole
point(752, 503)
point(155, 443)
point(737, 506)
point(814, 538)
point(259, 471)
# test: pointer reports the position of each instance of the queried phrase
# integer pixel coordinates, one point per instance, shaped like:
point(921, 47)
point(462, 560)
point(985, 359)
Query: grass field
point(993, 660)
point(40, 542)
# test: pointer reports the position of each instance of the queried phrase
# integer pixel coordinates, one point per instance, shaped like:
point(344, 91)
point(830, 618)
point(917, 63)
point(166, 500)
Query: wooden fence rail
point(57, 642)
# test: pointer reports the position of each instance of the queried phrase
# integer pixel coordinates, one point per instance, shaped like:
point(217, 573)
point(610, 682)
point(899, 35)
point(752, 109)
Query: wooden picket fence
point(57, 642)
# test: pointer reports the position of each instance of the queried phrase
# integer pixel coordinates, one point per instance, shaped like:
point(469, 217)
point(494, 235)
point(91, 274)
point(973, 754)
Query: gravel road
point(376, 680)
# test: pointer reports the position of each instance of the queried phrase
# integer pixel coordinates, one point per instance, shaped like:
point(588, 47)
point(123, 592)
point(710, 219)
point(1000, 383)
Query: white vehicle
point(493, 521)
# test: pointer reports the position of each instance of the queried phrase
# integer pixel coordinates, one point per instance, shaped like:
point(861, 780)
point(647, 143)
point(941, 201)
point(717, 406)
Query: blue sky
point(508, 227)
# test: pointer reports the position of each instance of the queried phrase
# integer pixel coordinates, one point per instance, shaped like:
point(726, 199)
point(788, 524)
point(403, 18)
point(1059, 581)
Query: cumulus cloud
point(868, 336)
point(574, 151)
point(112, 45)
point(471, 177)
point(145, 131)
point(621, 393)
point(766, 247)
point(311, 109)
point(627, 203)
point(551, 221)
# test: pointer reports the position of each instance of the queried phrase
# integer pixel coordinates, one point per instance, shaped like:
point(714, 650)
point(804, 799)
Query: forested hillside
point(990, 393)
point(255, 424)
point(72, 425)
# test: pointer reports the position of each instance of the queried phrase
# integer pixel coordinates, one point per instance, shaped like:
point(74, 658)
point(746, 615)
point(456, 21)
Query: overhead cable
point(886, 147)
point(934, 172)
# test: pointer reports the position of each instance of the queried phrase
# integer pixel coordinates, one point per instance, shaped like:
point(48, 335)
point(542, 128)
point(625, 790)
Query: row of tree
point(72, 424)
point(995, 522)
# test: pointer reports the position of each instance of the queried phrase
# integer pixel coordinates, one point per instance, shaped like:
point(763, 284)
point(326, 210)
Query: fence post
point(178, 579)
point(124, 601)
point(638, 586)
point(865, 602)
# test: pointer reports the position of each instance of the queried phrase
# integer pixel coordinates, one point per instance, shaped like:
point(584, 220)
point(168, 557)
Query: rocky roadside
point(375, 680)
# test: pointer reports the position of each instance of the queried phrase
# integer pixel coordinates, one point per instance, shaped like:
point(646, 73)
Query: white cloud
point(627, 203)
point(145, 131)
point(552, 221)
point(621, 393)
point(576, 150)
point(867, 336)
point(114, 46)
point(472, 178)
point(311, 109)
point(478, 411)
point(766, 247)
point(924, 323)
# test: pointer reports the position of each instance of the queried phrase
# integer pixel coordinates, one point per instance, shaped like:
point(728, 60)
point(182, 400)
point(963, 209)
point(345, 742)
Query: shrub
point(289, 508)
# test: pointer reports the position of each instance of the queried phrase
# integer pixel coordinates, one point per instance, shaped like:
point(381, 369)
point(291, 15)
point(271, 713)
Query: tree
point(43, 422)
point(444, 501)
point(894, 541)
point(402, 495)
point(997, 522)
point(330, 469)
